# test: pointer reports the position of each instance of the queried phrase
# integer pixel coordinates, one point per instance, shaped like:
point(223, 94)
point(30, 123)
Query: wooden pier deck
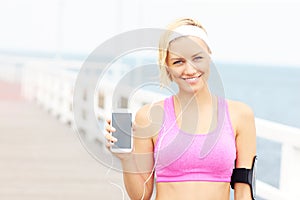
point(42, 159)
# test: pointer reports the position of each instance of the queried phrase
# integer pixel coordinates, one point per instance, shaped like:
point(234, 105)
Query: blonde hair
point(165, 78)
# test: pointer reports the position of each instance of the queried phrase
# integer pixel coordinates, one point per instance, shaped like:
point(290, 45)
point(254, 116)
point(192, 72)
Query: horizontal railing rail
point(51, 85)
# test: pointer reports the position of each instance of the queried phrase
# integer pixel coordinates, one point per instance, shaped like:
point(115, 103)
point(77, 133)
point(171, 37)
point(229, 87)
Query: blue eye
point(178, 62)
point(198, 58)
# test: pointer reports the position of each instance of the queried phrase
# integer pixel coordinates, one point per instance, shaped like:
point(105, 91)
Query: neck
point(202, 97)
point(190, 108)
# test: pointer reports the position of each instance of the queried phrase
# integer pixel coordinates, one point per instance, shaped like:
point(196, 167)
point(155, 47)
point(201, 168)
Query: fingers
point(109, 138)
point(108, 126)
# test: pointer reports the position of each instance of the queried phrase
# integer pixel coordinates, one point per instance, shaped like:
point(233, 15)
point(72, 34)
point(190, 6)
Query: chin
point(193, 89)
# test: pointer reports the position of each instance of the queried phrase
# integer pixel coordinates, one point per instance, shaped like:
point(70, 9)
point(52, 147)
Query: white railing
point(51, 85)
point(289, 138)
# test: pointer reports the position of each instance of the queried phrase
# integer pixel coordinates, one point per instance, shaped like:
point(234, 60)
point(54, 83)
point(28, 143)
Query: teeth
point(193, 78)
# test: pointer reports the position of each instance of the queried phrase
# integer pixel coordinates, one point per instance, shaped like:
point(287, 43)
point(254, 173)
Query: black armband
point(248, 176)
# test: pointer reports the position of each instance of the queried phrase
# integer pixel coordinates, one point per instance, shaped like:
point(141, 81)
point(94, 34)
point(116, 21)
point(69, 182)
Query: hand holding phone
point(122, 122)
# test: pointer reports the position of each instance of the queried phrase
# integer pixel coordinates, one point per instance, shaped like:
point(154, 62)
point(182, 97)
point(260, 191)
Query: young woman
point(189, 143)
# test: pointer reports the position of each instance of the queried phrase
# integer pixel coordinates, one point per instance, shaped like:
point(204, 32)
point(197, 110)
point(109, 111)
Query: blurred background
point(43, 45)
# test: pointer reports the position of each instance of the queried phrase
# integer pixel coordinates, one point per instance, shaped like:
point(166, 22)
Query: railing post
point(290, 171)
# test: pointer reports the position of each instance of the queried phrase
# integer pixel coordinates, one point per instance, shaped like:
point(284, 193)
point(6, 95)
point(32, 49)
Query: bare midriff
point(192, 190)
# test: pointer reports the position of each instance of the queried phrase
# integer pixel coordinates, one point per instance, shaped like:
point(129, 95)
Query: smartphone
point(122, 121)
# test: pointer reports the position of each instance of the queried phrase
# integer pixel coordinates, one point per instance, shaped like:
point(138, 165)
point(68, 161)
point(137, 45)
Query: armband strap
point(239, 175)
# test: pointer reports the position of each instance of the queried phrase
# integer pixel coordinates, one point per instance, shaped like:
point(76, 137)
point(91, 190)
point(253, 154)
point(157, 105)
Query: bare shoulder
point(149, 118)
point(241, 114)
point(147, 112)
point(239, 109)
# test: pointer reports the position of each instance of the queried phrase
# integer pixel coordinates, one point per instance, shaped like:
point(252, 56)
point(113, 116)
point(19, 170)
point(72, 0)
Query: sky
point(256, 31)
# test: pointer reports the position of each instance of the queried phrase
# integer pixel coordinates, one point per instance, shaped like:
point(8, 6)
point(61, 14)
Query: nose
point(190, 68)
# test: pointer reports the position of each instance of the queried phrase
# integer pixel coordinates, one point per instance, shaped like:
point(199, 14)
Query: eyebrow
point(175, 58)
point(196, 54)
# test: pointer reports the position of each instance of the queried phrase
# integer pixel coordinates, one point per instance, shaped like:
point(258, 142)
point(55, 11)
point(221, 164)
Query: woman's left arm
point(246, 146)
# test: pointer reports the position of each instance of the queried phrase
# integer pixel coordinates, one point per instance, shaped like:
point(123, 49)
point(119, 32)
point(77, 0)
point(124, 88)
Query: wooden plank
point(40, 158)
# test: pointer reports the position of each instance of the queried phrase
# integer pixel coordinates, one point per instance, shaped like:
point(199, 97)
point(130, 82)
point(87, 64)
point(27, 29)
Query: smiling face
point(188, 63)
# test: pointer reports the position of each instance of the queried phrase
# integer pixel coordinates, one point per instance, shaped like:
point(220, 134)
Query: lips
point(192, 79)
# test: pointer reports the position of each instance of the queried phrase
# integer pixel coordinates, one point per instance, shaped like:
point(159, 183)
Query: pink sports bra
point(181, 156)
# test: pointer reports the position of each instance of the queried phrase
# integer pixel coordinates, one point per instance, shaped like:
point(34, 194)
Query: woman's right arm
point(137, 170)
point(138, 173)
